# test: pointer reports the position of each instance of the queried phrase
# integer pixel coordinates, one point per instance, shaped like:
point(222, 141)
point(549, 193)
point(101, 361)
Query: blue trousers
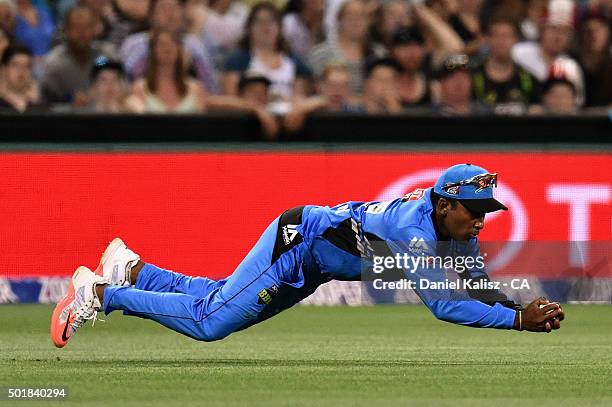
point(208, 310)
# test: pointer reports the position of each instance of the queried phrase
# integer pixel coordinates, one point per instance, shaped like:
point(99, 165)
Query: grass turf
point(310, 356)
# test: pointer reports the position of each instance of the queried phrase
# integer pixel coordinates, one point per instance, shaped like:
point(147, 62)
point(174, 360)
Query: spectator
point(389, 18)
point(34, 27)
point(514, 10)
point(534, 14)
point(380, 94)
point(127, 17)
point(595, 59)
point(108, 87)
point(333, 95)
point(168, 15)
point(116, 18)
point(556, 35)
point(278, 4)
point(253, 97)
point(465, 20)
point(462, 16)
point(408, 49)
point(254, 90)
point(334, 87)
point(98, 7)
point(262, 52)
point(303, 25)
point(330, 19)
point(8, 12)
point(499, 82)
point(604, 7)
point(67, 70)
point(417, 49)
point(219, 24)
point(166, 88)
point(5, 43)
point(559, 96)
point(352, 45)
point(20, 92)
point(455, 88)
point(440, 39)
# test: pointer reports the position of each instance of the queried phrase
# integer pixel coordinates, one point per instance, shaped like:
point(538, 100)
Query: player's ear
point(442, 207)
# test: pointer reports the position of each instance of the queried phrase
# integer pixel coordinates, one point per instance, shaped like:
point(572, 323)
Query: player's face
point(461, 224)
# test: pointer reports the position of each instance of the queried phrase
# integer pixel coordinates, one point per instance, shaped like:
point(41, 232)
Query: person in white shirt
point(556, 34)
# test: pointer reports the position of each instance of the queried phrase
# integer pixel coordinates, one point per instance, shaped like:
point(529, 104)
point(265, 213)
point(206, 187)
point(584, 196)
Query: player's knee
point(210, 334)
point(438, 310)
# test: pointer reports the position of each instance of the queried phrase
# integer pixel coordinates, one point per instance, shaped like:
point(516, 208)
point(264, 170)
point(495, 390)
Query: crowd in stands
point(283, 60)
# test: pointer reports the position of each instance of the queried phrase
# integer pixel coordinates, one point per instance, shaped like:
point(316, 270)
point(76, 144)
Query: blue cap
point(472, 186)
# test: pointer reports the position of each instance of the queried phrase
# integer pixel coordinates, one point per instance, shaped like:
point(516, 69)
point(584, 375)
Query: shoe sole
point(57, 328)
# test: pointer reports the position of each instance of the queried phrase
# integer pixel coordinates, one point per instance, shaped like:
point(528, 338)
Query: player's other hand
point(541, 316)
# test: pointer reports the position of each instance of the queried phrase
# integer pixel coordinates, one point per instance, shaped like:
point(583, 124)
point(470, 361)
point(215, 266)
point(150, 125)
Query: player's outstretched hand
point(540, 316)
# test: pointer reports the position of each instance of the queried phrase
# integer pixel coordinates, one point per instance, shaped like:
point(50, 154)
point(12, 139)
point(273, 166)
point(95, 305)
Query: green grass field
point(310, 356)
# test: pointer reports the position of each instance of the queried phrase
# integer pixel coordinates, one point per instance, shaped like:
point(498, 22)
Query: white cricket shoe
point(117, 262)
point(80, 304)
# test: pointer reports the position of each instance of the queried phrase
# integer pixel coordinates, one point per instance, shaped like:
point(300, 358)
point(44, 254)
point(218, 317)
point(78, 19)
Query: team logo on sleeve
point(414, 195)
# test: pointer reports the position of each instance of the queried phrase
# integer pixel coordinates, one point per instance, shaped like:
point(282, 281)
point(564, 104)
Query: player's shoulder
point(411, 215)
point(416, 209)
